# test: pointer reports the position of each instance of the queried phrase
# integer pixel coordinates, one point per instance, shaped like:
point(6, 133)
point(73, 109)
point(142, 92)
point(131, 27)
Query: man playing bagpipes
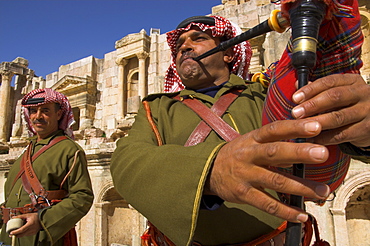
point(49, 186)
point(197, 162)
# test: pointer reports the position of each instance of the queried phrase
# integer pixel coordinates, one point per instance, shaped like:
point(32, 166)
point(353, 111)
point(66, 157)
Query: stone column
point(121, 102)
point(142, 74)
point(101, 224)
point(6, 78)
point(340, 224)
point(17, 125)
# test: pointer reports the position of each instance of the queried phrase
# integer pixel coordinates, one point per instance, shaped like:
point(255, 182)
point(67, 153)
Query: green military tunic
point(165, 183)
point(51, 167)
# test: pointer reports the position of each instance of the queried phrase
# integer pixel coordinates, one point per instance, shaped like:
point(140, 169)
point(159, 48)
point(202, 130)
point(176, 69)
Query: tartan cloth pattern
point(338, 51)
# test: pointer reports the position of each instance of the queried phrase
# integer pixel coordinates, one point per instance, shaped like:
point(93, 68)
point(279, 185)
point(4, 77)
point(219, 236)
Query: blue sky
point(50, 33)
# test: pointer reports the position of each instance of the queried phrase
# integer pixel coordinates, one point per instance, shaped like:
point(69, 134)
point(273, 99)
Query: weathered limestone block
point(4, 148)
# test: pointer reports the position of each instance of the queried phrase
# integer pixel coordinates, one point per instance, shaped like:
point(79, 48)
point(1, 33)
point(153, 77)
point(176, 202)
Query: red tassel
point(318, 242)
point(321, 243)
point(70, 238)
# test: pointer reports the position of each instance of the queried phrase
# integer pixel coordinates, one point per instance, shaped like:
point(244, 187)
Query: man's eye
point(200, 38)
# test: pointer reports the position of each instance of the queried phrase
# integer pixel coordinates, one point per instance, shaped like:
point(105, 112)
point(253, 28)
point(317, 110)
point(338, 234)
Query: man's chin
point(38, 128)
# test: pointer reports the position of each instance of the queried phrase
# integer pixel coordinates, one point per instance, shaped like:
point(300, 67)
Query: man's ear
point(229, 55)
point(59, 114)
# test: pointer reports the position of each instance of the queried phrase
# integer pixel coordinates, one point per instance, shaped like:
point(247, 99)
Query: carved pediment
point(73, 85)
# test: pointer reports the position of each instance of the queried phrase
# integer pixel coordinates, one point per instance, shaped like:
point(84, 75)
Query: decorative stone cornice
point(142, 55)
point(340, 212)
point(15, 68)
point(132, 38)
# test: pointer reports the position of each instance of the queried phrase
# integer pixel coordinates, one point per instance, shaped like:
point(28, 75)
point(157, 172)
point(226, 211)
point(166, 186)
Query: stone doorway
point(76, 116)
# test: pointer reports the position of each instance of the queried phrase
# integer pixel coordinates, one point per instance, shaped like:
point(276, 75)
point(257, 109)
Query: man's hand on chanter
point(341, 103)
point(240, 171)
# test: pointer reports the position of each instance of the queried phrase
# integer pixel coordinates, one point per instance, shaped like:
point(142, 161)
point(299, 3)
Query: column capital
point(340, 212)
point(121, 61)
point(6, 74)
point(142, 55)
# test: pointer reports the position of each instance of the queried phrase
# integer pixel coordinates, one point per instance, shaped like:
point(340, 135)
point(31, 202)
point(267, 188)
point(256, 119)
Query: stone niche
point(132, 53)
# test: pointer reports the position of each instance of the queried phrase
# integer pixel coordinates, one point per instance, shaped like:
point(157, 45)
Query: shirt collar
point(234, 81)
point(46, 141)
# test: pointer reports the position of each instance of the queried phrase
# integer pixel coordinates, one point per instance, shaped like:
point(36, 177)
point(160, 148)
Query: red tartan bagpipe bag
point(338, 52)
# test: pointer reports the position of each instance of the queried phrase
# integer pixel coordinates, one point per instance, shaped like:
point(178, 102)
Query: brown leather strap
point(25, 180)
point(211, 118)
point(30, 182)
point(50, 144)
point(8, 213)
point(56, 194)
point(42, 150)
point(219, 108)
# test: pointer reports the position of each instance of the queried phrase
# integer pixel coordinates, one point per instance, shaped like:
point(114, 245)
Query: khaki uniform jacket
point(51, 167)
point(165, 183)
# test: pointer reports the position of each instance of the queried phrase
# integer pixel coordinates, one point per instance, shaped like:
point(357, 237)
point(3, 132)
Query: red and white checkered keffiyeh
point(50, 96)
point(222, 28)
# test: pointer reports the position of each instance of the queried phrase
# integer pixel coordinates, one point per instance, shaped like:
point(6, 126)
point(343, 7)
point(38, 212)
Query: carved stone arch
point(365, 18)
point(116, 221)
point(103, 191)
point(338, 210)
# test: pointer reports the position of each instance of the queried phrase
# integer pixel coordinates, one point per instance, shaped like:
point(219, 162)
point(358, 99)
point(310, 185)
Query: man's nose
point(187, 45)
point(38, 114)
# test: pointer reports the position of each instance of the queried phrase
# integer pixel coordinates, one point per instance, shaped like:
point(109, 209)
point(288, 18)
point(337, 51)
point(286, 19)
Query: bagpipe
point(326, 39)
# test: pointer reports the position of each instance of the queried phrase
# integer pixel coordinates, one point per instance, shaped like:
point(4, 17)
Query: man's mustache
point(187, 55)
point(39, 122)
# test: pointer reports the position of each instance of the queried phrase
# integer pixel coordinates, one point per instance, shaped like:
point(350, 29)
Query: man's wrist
point(353, 150)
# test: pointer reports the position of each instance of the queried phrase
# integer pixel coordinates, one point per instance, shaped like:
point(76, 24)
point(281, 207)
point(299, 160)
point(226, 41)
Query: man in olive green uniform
point(218, 191)
point(62, 166)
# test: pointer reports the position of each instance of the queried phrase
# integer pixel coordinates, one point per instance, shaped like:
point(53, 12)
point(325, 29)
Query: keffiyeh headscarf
point(43, 96)
point(221, 28)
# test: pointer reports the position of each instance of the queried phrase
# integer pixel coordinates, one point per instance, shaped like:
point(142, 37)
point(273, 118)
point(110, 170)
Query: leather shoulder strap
point(46, 147)
point(26, 165)
point(30, 179)
point(211, 118)
point(42, 150)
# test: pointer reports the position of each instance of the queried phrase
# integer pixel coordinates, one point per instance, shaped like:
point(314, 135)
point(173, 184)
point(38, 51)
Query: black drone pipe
point(305, 17)
point(275, 23)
